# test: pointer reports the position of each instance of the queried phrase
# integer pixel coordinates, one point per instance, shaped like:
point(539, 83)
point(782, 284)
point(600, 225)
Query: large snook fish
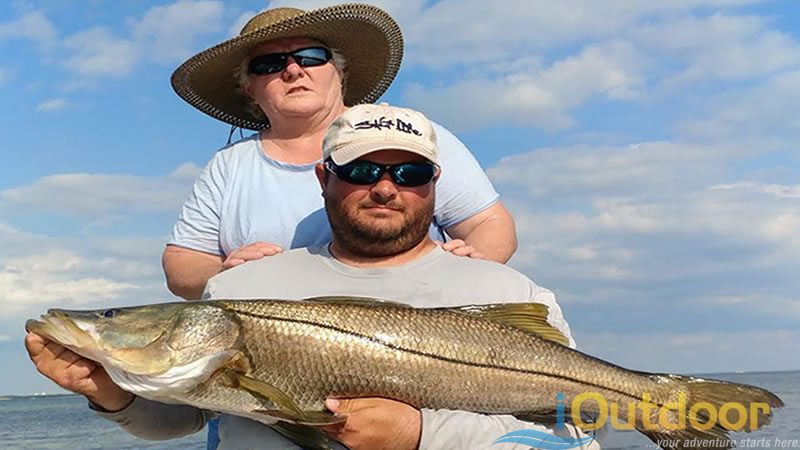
point(272, 360)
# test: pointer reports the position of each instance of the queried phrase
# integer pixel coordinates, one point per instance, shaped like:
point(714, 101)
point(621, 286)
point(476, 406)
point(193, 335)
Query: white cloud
point(524, 93)
point(75, 272)
point(696, 351)
point(55, 104)
point(168, 32)
point(454, 31)
point(719, 47)
point(772, 189)
point(97, 52)
point(619, 232)
point(83, 193)
point(766, 110)
point(33, 25)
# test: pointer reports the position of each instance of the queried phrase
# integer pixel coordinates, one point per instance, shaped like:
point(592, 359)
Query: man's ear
point(322, 176)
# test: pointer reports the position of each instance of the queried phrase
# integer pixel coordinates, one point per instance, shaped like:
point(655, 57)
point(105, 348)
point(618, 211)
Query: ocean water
point(65, 422)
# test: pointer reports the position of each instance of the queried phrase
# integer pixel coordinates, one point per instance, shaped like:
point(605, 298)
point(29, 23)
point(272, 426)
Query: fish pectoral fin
point(530, 317)
point(305, 437)
point(363, 301)
point(267, 392)
point(311, 419)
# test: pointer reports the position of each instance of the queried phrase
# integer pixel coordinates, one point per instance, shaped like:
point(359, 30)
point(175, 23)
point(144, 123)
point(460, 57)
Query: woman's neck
point(297, 140)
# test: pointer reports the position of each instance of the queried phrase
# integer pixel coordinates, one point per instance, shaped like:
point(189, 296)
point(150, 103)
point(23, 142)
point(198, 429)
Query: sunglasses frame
point(391, 169)
point(283, 58)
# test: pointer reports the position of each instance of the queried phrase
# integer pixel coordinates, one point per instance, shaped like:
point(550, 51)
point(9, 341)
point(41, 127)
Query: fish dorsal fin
point(352, 300)
point(530, 317)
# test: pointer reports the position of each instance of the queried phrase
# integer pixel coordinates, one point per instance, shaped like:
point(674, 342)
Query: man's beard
point(370, 241)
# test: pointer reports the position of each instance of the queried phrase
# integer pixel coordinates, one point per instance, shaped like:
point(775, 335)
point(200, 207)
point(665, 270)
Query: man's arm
point(490, 232)
point(156, 421)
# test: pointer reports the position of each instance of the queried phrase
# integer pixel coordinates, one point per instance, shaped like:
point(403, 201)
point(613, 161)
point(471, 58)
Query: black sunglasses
point(365, 172)
point(276, 62)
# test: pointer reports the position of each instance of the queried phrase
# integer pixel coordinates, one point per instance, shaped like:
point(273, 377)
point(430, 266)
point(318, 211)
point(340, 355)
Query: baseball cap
point(364, 129)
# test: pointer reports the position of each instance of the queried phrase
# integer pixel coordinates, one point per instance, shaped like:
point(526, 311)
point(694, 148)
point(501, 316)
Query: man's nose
point(384, 190)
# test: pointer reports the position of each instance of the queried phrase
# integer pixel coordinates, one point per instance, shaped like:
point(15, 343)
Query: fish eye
point(109, 313)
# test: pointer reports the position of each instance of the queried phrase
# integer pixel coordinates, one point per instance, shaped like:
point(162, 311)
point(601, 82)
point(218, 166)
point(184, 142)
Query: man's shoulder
point(481, 268)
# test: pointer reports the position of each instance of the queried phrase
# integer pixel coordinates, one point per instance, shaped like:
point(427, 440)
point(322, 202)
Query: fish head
point(143, 340)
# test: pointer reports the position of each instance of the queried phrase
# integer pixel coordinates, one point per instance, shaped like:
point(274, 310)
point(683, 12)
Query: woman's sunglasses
point(276, 62)
point(365, 172)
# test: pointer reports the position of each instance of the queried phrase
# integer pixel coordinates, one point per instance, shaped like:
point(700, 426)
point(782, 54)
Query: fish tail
point(697, 414)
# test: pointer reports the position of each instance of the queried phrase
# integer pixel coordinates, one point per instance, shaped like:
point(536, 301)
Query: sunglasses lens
point(266, 64)
point(413, 174)
point(360, 172)
point(312, 56)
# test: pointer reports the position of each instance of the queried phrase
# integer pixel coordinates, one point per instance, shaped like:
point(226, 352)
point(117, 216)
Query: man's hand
point(376, 424)
point(75, 373)
point(250, 252)
point(460, 248)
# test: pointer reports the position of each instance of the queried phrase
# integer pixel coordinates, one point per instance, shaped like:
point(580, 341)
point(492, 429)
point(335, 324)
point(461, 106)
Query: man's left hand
point(376, 424)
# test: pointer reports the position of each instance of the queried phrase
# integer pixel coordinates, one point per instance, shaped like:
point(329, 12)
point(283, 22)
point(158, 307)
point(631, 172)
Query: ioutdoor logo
point(670, 416)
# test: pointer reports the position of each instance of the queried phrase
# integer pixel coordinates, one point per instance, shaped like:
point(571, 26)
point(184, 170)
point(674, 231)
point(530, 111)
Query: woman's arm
point(490, 232)
point(187, 270)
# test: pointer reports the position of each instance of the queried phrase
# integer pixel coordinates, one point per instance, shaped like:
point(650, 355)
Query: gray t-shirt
point(437, 279)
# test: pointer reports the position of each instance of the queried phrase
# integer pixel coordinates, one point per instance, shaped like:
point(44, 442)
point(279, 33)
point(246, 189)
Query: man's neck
point(412, 254)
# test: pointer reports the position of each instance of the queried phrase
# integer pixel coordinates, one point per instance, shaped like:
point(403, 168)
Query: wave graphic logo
point(542, 440)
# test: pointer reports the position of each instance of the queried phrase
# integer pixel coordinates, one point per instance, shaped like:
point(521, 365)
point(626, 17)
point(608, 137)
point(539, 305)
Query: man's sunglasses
point(276, 62)
point(365, 172)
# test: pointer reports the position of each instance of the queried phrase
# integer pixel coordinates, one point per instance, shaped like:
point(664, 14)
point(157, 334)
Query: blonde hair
point(242, 76)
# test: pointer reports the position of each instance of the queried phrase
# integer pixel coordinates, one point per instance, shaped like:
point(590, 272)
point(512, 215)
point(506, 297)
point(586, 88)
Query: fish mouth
point(58, 326)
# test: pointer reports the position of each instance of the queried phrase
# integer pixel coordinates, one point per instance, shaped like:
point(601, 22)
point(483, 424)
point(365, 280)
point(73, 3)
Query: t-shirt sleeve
point(463, 189)
point(198, 225)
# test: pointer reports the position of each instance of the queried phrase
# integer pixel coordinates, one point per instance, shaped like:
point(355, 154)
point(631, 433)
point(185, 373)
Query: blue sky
point(648, 151)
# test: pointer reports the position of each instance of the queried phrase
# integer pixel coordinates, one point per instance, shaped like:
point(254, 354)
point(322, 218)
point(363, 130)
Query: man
point(377, 178)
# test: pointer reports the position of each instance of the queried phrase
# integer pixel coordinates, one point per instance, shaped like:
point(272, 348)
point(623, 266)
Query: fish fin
point(350, 300)
point(306, 437)
point(266, 391)
point(530, 317)
point(311, 419)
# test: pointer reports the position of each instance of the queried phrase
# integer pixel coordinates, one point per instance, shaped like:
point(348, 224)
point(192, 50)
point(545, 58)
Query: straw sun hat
point(368, 38)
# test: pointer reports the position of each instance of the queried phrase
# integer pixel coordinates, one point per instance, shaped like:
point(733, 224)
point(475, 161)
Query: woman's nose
point(292, 70)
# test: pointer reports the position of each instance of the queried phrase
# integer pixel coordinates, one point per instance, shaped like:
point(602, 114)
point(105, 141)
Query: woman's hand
point(250, 252)
point(460, 248)
point(76, 373)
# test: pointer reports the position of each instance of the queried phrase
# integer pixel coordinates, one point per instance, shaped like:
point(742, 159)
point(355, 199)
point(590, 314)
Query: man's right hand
point(250, 252)
point(76, 373)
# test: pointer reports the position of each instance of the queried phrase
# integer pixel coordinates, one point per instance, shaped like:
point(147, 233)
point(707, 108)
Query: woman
point(289, 74)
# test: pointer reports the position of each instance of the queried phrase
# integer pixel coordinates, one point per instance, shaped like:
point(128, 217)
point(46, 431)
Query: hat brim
point(368, 38)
